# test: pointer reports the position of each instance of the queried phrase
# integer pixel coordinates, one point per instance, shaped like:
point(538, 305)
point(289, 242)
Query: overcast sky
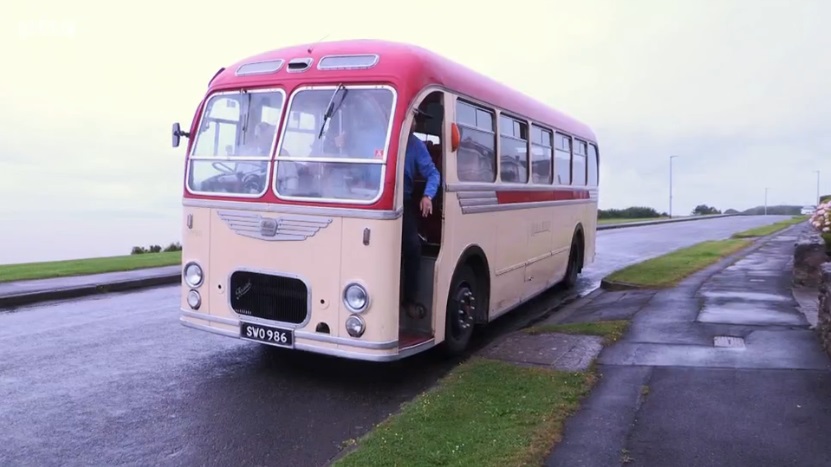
point(737, 89)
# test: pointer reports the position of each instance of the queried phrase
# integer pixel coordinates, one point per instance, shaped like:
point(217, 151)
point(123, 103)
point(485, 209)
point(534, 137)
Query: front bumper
point(314, 342)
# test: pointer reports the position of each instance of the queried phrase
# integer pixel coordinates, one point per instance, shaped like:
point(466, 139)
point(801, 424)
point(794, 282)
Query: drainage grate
point(728, 341)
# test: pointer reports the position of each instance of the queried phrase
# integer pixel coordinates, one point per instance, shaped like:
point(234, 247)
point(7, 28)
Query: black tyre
point(574, 256)
point(465, 296)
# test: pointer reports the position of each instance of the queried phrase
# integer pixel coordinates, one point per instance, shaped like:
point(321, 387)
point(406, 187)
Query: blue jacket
point(418, 157)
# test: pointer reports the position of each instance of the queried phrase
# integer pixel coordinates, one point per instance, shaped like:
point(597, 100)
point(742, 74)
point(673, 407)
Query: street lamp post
point(818, 200)
point(766, 201)
point(670, 185)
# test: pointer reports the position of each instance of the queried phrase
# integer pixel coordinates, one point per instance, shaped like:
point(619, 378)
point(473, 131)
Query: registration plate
point(267, 334)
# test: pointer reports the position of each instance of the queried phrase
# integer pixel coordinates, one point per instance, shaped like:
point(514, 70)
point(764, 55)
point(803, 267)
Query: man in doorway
point(416, 158)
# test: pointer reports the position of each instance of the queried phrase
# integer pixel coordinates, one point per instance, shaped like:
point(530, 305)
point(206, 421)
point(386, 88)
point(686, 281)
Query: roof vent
point(348, 62)
point(297, 65)
point(260, 68)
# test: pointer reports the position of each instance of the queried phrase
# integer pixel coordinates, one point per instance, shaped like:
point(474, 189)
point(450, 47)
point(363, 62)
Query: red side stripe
point(512, 197)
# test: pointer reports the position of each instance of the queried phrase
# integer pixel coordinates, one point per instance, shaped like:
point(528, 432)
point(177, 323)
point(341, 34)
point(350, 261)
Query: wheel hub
point(466, 309)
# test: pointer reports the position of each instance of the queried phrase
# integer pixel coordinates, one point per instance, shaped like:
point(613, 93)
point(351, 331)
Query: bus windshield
point(234, 143)
point(345, 161)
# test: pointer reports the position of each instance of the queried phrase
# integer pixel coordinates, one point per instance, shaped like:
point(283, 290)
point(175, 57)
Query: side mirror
point(455, 137)
point(177, 133)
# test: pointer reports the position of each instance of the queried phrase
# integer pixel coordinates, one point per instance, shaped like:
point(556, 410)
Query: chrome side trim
point(492, 207)
point(531, 261)
point(509, 269)
point(469, 199)
point(284, 228)
point(313, 336)
point(289, 209)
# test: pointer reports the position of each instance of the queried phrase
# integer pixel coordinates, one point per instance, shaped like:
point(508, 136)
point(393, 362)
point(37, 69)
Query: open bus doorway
point(429, 129)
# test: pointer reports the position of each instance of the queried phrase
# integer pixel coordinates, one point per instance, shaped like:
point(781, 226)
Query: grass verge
point(483, 413)
point(769, 229)
point(626, 221)
point(50, 269)
point(669, 269)
point(486, 412)
point(610, 331)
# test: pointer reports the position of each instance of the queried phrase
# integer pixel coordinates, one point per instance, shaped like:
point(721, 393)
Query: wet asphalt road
point(115, 379)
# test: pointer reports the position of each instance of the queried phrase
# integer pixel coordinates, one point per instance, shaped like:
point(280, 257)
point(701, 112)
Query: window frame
point(374, 161)
point(493, 132)
point(203, 114)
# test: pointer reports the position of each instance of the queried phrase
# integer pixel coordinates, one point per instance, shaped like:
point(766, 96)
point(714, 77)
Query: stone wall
point(809, 255)
point(824, 312)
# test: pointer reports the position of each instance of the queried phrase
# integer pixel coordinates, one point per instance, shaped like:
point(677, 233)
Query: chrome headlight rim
point(345, 295)
point(361, 323)
point(197, 299)
point(200, 273)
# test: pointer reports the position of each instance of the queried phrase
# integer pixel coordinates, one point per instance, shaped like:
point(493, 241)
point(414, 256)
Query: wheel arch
point(474, 257)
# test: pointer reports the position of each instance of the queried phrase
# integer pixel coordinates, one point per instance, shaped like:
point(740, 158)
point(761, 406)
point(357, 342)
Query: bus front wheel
point(465, 296)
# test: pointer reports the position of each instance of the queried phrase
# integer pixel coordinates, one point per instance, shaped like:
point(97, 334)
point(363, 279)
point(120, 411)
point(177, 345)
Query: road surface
point(115, 379)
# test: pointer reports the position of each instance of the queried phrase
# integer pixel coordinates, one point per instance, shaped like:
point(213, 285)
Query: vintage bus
point(292, 236)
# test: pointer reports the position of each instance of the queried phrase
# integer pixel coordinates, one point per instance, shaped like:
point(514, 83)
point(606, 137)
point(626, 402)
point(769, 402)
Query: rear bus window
point(593, 166)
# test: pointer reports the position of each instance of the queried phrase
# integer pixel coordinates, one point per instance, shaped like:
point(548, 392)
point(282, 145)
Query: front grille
point(275, 298)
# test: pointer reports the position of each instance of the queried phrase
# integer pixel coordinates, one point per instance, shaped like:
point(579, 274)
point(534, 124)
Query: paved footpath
point(19, 293)
point(720, 371)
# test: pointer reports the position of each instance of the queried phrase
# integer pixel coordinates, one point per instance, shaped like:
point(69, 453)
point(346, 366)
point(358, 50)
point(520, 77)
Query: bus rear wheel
point(573, 264)
point(465, 295)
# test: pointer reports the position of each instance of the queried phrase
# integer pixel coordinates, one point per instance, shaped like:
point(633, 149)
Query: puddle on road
point(754, 314)
point(729, 342)
point(747, 296)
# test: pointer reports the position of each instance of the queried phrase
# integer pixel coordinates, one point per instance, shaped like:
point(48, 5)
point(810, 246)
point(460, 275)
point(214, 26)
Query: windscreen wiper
point(330, 108)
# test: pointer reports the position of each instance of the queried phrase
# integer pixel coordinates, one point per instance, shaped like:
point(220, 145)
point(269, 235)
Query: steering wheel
point(221, 167)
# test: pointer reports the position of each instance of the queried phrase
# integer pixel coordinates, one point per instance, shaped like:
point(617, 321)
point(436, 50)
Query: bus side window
point(541, 152)
point(476, 157)
point(578, 163)
point(562, 159)
point(513, 140)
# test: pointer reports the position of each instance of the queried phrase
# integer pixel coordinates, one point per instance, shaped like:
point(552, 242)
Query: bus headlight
point(355, 326)
point(193, 275)
point(355, 297)
point(194, 300)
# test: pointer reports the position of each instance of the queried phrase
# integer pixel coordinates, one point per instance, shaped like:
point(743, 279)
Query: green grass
point(50, 269)
point(626, 221)
point(770, 229)
point(484, 413)
point(669, 269)
point(611, 331)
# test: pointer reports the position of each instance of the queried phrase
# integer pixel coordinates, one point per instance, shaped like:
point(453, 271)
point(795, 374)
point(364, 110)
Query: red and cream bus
point(292, 238)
